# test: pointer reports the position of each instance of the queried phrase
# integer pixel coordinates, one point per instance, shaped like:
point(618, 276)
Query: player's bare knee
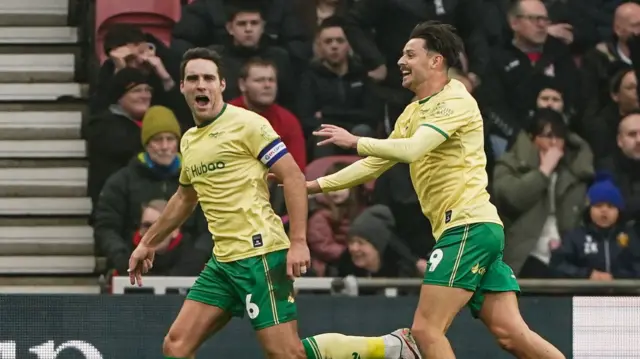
point(426, 332)
point(512, 339)
point(175, 346)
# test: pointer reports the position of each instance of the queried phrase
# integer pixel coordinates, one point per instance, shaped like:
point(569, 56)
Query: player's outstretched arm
point(178, 209)
point(405, 150)
point(357, 173)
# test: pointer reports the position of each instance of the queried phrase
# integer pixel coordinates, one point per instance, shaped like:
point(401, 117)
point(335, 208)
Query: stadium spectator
point(624, 163)
point(178, 254)
point(604, 248)
point(205, 22)
point(246, 27)
point(375, 251)
point(539, 187)
point(127, 46)
point(328, 226)
point(336, 88)
point(259, 87)
point(391, 21)
point(515, 65)
point(601, 130)
point(152, 174)
point(600, 63)
point(113, 136)
point(313, 16)
point(394, 190)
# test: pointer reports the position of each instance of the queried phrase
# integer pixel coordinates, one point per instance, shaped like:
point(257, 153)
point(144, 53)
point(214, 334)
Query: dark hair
point(546, 116)
point(258, 62)
point(201, 53)
point(440, 38)
point(631, 113)
point(616, 80)
point(240, 6)
point(331, 21)
point(120, 35)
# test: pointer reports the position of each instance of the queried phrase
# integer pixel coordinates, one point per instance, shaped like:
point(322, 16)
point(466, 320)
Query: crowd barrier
point(133, 325)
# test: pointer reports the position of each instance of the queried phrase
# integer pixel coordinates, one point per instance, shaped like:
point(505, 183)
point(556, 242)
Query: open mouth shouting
point(202, 102)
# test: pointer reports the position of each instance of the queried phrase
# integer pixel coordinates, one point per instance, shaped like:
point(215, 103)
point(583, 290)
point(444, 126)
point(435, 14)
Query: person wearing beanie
point(374, 250)
point(604, 247)
point(151, 175)
point(113, 135)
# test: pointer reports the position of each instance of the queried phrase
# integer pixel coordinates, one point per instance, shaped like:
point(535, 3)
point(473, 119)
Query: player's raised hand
point(336, 135)
point(140, 262)
point(298, 258)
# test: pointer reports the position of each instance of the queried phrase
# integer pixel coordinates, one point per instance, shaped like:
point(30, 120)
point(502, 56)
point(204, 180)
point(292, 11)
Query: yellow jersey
point(226, 160)
point(451, 179)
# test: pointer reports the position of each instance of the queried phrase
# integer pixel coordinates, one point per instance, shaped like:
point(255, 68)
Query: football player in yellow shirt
point(441, 137)
point(226, 158)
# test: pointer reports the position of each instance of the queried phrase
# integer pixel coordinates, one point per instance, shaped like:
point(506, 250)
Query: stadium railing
point(160, 285)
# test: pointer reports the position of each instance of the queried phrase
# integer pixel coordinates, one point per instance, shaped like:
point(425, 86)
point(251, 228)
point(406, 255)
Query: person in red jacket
point(259, 86)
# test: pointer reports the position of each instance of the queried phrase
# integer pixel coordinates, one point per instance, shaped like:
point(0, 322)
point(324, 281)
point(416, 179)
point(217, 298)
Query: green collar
point(207, 123)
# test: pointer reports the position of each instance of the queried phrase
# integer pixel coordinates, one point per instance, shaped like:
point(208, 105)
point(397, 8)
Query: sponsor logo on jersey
point(204, 168)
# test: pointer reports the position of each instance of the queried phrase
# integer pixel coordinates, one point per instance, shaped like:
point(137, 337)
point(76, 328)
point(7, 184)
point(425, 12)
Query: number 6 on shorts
point(252, 308)
point(434, 259)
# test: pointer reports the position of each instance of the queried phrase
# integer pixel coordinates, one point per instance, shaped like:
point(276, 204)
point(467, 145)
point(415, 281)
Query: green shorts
point(470, 257)
point(257, 285)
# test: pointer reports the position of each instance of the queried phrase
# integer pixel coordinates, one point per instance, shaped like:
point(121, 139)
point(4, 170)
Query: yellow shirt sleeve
point(357, 173)
point(264, 143)
point(184, 179)
point(434, 126)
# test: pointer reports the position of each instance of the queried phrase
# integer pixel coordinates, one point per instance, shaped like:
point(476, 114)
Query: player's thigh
point(461, 257)
point(498, 278)
point(501, 314)
point(210, 304)
point(265, 289)
point(195, 322)
point(282, 341)
point(437, 307)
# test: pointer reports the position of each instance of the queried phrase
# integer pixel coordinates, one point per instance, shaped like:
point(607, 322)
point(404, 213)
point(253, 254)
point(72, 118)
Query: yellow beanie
point(158, 119)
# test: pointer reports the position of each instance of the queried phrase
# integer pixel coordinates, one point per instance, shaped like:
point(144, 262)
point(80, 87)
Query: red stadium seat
point(319, 167)
point(154, 17)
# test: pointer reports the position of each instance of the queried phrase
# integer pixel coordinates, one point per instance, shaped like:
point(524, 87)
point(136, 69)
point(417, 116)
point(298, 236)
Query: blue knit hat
point(603, 190)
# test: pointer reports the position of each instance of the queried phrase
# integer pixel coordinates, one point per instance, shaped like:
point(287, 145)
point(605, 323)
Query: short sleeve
point(264, 143)
point(184, 179)
point(446, 116)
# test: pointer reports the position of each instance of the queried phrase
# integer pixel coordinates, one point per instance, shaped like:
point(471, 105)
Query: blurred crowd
point(555, 81)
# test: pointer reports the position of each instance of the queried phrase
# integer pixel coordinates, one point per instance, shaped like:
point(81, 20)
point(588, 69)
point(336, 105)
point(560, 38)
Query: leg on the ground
point(397, 345)
point(501, 315)
point(194, 324)
point(437, 307)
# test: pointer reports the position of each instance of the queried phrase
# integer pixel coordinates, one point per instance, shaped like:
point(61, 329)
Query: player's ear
point(223, 84)
point(182, 87)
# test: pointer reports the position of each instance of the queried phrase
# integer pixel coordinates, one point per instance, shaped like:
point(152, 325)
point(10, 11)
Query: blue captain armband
point(272, 152)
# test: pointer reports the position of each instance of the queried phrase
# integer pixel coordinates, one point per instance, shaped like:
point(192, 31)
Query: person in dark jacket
point(113, 136)
point(336, 88)
point(204, 23)
point(373, 250)
point(624, 163)
point(128, 47)
point(179, 254)
point(601, 62)
point(246, 26)
point(601, 130)
point(517, 64)
point(604, 248)
point(152, 174)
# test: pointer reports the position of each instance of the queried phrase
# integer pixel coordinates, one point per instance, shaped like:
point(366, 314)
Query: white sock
point(392, 347)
